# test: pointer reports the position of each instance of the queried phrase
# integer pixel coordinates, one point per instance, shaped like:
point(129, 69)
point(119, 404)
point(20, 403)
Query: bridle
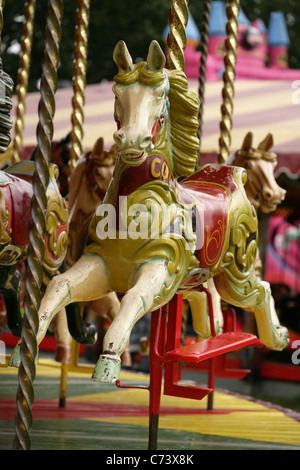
point(163, 115)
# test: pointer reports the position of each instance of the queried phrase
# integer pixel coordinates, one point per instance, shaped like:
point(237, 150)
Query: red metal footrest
point(211, 347)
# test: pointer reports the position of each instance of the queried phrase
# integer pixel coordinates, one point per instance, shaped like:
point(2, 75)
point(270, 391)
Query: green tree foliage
point(134, 21)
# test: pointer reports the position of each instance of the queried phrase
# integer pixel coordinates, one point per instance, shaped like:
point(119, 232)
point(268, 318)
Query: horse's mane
point(239, 157)
point(184, 107)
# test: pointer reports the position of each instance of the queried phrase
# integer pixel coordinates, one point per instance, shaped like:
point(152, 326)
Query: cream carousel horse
point(153, 236)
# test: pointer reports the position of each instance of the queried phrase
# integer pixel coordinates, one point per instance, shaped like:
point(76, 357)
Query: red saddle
point(211, 186)
point(17, 194)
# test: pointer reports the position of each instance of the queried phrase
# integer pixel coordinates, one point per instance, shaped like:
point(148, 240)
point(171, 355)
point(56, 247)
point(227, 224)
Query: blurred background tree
point(134, 21)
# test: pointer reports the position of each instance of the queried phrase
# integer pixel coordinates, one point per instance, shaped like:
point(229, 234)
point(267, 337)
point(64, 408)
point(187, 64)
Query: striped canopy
point(259, 106)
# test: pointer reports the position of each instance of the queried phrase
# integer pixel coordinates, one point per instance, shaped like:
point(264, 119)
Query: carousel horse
point(87, 187)
point(261, 187)
point(15, 195)
point(154, 236)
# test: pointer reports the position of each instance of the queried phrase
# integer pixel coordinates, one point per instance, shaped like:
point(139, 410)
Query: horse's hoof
point(107, 369)
point(126, 359)
point(281, 338)
point(15, 358)
point(63, 355)
point(91, 335)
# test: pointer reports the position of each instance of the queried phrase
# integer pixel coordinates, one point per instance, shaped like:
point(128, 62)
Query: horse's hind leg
point(86, 280)
point(255, 296)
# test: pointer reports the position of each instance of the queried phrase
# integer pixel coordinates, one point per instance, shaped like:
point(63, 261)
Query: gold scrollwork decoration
point(4, 236)
point(10, 255)
point(56, 218)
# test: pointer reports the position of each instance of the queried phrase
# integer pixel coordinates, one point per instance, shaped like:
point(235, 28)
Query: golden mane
point(184, 108)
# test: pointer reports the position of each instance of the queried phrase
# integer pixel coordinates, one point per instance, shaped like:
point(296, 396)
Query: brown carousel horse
point(261, 187)
point(153, 236)
point(87, 187)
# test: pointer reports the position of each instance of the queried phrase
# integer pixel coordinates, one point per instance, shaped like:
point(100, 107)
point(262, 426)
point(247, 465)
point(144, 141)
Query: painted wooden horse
point(15, 195)
point(153, 236)
point(261, 187)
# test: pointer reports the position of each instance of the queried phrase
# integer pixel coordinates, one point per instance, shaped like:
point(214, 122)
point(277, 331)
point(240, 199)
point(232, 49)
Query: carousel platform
point(104, 417)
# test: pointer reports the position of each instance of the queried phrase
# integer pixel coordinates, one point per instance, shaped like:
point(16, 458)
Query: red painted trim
point(49, 409)
point(273, 370)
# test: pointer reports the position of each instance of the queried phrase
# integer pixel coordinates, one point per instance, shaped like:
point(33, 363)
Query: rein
point(261, 154)
point(164, 112)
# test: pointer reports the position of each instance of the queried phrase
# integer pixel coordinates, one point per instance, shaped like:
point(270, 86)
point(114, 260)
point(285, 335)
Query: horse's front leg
point(86, 280)
point(62, 337)
point(146, 295)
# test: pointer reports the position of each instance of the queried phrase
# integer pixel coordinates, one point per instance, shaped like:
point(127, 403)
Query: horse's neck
point(122, 169)
point(238, 159)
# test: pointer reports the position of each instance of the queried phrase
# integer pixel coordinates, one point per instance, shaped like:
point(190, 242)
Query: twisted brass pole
point(232, 12)
point(23, 74)
point(79, 80)
point(176, 40)
point(34, 274)
point(202, 70)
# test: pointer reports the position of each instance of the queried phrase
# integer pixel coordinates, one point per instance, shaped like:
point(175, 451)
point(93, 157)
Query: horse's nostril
point(119, 137)
point(267, 193)
point(146, 140)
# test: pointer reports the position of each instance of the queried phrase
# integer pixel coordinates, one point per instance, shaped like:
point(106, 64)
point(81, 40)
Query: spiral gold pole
point(176, 40)
point(79, 80)
point(23, 74)
point(202, 71)
point(228, 79)
point(34, 274)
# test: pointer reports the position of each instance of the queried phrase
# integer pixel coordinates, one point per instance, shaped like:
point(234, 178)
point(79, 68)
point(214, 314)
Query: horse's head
point(141, 102)
point(100, 165)
point(261, 186)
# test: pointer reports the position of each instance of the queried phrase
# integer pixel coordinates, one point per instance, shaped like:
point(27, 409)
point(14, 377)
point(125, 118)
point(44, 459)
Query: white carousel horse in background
point(153, 236)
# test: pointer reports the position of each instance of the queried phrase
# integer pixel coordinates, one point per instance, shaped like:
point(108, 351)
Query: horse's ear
point(98, 147)
point(267, 143)
point(156, 59)
point(122, 58)
point(247, 143)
